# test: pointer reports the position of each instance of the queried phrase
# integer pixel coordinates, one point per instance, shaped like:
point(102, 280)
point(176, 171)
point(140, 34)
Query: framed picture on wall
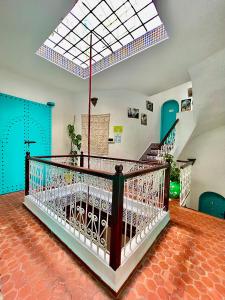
point(149, 105)
point(186, 105)
point(133, 113)
point(144, 119)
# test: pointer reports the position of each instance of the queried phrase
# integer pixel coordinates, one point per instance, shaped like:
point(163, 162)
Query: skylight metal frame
point(81, 59)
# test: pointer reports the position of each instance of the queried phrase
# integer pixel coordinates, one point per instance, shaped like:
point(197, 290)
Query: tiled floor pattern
point(186, 262)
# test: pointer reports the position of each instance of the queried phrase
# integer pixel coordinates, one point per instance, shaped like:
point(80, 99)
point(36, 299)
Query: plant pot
point(174, 189)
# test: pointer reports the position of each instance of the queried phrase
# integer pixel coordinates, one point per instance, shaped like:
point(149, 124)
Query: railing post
point(117, 218)
point(167, 187)
point(81, 159)
point(27, 173)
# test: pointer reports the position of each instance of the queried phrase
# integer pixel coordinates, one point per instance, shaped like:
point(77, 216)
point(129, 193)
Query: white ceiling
point(195, 27)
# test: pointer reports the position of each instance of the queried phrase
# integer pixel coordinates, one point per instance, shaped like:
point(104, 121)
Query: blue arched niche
point(212, 204)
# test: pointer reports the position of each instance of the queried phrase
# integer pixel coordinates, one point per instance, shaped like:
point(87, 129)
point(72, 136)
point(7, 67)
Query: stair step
point(152, 154)
point(155, 146)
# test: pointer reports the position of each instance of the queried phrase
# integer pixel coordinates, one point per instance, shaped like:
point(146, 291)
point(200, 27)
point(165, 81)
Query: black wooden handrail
point(187, 163)
point(94, 156)
point(145, 171)
point(99, 173)
point(169, 132)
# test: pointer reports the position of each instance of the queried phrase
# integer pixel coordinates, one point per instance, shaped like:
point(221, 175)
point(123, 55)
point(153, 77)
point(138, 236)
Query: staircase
point(156, 151)
point(169, 145)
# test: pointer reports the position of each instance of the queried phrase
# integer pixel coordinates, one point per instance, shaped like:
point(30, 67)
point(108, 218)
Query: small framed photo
point(149, 105)
point(186, 105)
point(144, 119)
point(133, 113)
point(190, 92)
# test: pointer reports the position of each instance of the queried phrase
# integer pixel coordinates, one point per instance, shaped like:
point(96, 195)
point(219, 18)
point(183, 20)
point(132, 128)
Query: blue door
point(21, 120)
point(212, 204)
point(168, 116)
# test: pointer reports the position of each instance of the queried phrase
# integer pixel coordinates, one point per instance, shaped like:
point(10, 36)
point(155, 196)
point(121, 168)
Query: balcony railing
point(109, 205)
point(185, 180)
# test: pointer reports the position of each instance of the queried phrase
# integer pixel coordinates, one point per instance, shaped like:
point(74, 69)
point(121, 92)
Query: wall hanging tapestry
point(99, 134)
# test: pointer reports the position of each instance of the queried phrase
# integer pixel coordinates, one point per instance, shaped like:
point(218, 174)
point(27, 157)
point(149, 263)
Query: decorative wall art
point(99, 134)
point(143, 119)
point(190, 92)
point(149, 105)
point(186, 105)
point(133, 113)
point(118, 130)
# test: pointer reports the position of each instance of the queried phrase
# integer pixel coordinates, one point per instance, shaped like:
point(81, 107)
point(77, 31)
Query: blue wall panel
point(21, 120)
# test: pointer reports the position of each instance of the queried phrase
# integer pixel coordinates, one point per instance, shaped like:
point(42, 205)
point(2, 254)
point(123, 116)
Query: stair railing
point(168, 142)
point(185, 180)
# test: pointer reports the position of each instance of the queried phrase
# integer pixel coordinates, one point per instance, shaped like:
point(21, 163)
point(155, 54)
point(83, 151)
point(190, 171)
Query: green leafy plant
point(174, 171)
point(75, 142)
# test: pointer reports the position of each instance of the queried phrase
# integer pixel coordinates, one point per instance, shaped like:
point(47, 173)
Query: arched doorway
point(212, 204)
point(168, 116)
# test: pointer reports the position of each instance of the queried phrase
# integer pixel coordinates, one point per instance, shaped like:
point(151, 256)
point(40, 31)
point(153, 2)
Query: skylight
point(114, 24)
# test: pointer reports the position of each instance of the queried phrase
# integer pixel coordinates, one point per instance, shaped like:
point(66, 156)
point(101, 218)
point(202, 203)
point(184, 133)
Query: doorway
point(169, 111)
point(21, 120)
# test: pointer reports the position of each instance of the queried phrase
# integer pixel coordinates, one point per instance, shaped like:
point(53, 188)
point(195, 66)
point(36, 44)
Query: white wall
point(20, 86)
point(208, 79)
point(187, 122)
point(208, 139)
point(136, 137)
point(208, 173)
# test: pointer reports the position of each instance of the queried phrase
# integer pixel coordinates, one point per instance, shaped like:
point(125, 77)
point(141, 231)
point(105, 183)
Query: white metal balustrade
point(104, 209)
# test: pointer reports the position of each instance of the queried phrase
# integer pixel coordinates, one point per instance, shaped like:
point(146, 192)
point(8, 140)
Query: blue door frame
point(169, 111)
point(21, 120)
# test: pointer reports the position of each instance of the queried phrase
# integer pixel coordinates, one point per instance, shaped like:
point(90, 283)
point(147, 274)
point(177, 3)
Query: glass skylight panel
point(153, 23)
point(75, 51)
point(49, 44)
point(101, 31)
point(110, 39)
point(83, 57)
point(59, 50)
point(97, 57)
point(114, 24)
point(116, 46)
point(138, 32)
point(133, 23)
point(62, 30)
point(68, 55)
point(82, 45)
point(102, 11)
point(77, 61)
point(65, 45)
point(125, 12)
point(54, 37)
point(127, 39)
point(70, 21)
point(115, 4)
point(72, 38)
point(99, 46)
point(120, 32)
point(147, 13)
point(139, 4)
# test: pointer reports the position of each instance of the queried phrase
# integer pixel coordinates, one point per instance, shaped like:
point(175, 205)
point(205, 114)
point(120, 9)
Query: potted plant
point(174, 177)
point(75, 142)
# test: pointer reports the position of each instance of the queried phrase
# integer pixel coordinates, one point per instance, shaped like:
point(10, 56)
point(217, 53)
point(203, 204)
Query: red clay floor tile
point(186, 262)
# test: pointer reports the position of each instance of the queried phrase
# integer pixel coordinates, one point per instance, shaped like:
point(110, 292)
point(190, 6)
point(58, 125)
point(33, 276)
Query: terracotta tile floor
point(186, 262)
